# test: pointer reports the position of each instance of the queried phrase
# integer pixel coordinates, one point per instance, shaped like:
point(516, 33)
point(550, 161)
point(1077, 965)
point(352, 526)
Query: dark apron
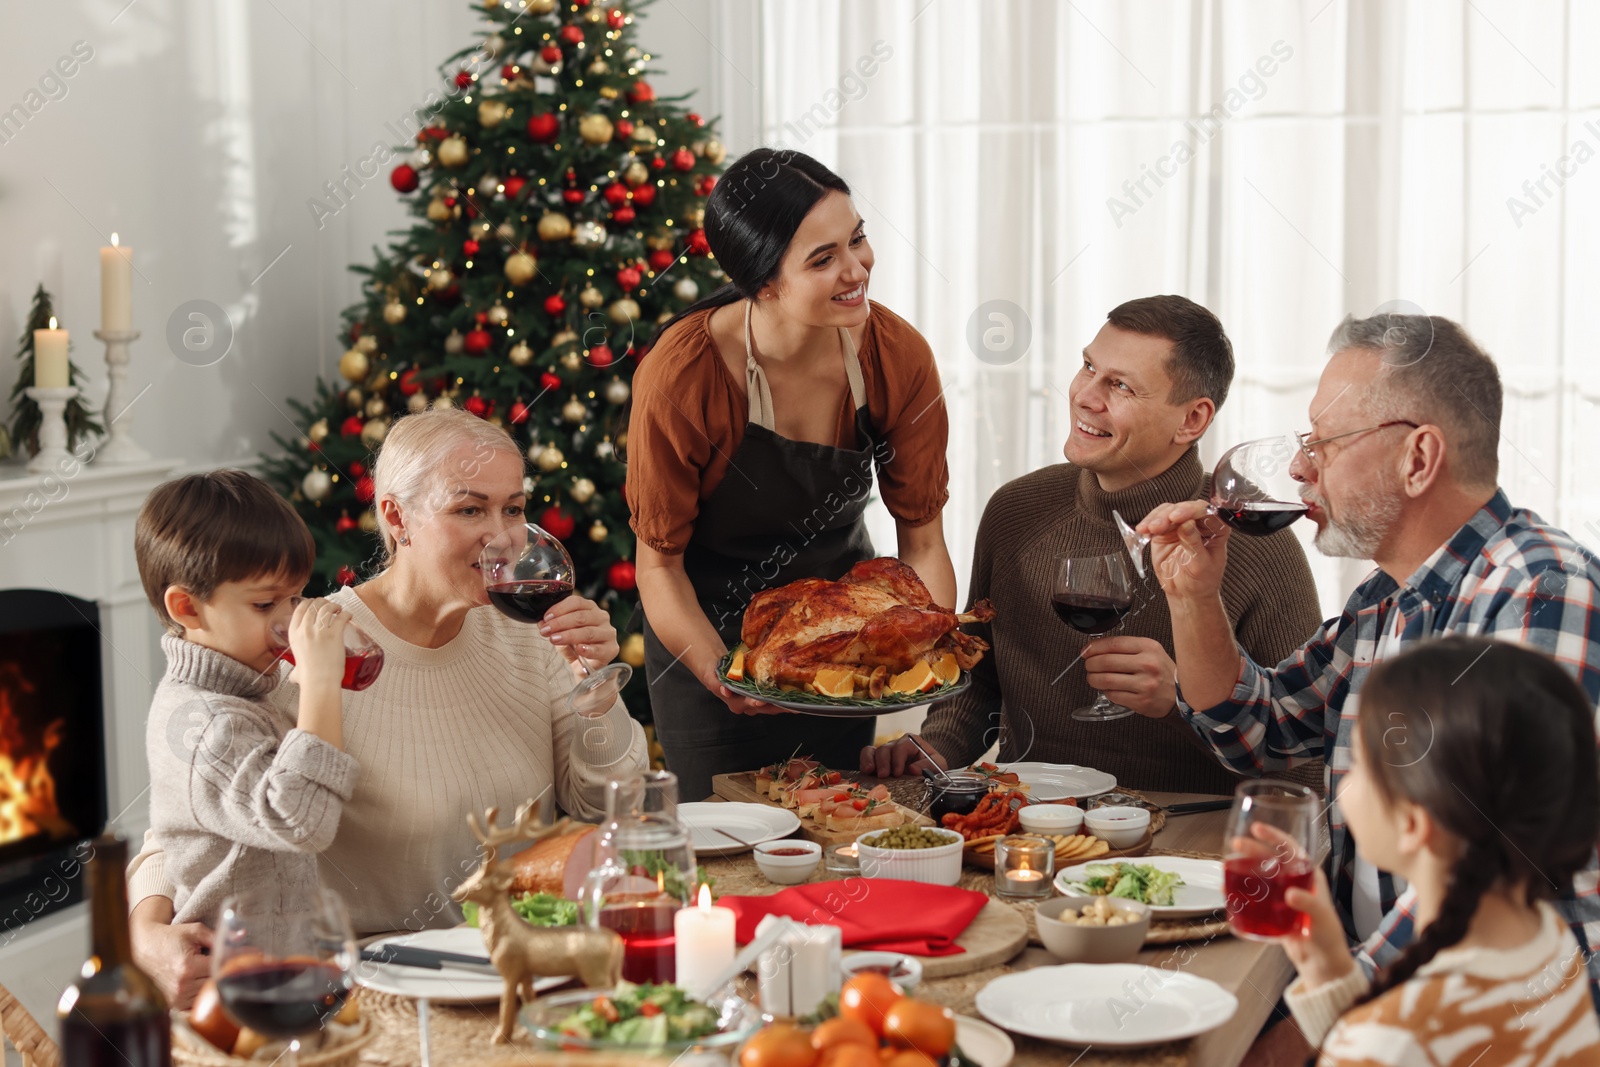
point(785, 510)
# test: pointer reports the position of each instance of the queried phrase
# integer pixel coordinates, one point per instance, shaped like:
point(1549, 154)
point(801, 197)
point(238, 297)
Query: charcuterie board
point(742, 787)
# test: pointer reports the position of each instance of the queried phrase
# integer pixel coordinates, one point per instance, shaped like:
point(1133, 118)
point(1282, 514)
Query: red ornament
point(628, 278)
point(615, 19)
point(572, 196)
point(549, 381)
point(622, 576)
point(601, 356)
point(543, 127)
point(364, 489)
point(550, 53)
point(436, 133)
point(557, 523)
point(469, 248)
point(514, 185)
point(351, 427)
point(696, 119)
point(641, 93)
point(345, 524)
point(471, 210)
point(697, 243)
point(509, 71)
point(404, 178)
point(519, 412)
point(477, 341)
point(357, 469)
point(463, 79)
point(623, 215)
point(661, 259)
point(312, 446)
point(344, 576)
point(408, 382)
point(477, 405)
point(657, 163)
point(555, 304)
point(683, 159)
point(616, 194)
point(481, 317)
point(706, 183)
point(624, 129)
point(644, 195)
point(572, 34)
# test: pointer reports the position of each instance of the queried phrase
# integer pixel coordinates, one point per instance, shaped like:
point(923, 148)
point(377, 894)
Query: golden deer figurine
point(520, 951)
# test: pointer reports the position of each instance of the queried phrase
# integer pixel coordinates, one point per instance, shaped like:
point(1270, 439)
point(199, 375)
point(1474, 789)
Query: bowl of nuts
point(1092, 929)
point(912, 854)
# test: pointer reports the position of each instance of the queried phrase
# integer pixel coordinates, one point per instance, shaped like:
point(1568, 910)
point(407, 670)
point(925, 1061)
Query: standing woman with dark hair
point(759, 418)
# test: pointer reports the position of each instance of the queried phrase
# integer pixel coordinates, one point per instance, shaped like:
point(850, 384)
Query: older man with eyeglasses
point(1400, 467)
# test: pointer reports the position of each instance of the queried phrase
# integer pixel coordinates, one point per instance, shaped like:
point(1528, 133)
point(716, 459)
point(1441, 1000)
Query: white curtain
point(1283, 164)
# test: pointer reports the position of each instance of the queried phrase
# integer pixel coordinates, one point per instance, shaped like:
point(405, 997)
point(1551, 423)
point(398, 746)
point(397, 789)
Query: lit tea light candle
point(704, 943)
point(1023, 867)
point(116, 286)
point(1025, 878)
point(50, 358)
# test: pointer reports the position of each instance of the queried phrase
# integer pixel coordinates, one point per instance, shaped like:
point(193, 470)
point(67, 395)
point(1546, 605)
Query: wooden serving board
point(741, 787)
point(995, 936)
point(985, 860)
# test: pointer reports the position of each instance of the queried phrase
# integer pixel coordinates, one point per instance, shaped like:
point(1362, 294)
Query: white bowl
point(940, 865)
point(1119, 827)
point(904, 971)
point(788, 870)
point(1064, 819)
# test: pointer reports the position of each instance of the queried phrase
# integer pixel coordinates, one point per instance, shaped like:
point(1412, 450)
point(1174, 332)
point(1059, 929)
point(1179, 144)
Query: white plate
point(985, 1045)
point(1200, 894)
point(1058, 781)
point(750, 823)
point(446, 986)
point(1111, 1005)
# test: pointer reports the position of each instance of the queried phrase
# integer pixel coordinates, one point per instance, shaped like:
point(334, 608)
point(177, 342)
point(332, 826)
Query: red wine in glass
point(1094, 615)
point(528, 601)
point(361, 668)
point(283, 998)
point(1255, 888)
point(1261, 517)
point(649, 943)
point(1092, 594)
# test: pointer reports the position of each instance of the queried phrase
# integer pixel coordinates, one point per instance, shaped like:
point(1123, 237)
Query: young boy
point(242, 795)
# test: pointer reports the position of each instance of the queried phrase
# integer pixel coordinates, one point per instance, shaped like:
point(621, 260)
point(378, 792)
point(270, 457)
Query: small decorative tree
point(24, 412)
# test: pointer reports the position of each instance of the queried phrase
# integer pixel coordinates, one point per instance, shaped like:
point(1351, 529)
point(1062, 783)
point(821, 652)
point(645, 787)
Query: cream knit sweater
point(443, 732)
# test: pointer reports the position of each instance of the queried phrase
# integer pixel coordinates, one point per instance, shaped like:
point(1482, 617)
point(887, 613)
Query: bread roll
point(555, 865)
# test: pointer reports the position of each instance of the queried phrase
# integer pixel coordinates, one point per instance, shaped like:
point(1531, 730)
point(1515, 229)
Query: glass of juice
point(1268, 849)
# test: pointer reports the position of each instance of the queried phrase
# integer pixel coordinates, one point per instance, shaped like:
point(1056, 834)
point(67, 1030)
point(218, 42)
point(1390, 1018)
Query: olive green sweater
point(1023, 692)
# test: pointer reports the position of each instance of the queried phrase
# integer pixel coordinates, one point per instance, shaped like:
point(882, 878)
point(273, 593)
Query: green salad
point(642, 1015)
point(1130, 881)
point(540, 909)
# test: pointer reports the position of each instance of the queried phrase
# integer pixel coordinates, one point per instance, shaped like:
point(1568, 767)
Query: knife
point(432, 959)
point(1198, 805)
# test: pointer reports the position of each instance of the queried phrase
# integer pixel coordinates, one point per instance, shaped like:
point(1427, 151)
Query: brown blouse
point(689, 415)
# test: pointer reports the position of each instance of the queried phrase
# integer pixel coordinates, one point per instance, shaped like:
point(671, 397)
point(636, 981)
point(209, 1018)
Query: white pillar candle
point(704, 937)
point(116, 287)
point(50, 357)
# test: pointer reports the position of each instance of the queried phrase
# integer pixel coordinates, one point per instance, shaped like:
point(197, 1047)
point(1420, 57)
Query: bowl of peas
point(912, 854)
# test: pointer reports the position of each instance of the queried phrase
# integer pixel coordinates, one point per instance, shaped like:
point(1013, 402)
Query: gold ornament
point(440, 279)
point(417, 403)
point(633, 650)
point(440, 403)
point(549, 459)
point(521, 355)
point(598, 532)
point(554, 226)
point(394, 313)
point(353, 400)
point(714, 151)
point(369, 521)
point(455, 343)
point(662, 239)
point(637, 173)
point(316, 485)
point(644, 134)
point(591, 297)
point(491, 113)
point(617, 391)
point(373, 433)
point(353, 365)
point(599, 66)
point(571, 361)
point(506, 231)
point(686, 290)
point(624, 310)
point(574, 411)
point(376, 407)
point(609, 92)
point(695, 216)
point(490, 5)
point(494, 44)
point(593, 127)
point(452, 151)
point(318, 431)
point(594, 14)
point(367, 343)
point(439, 211)
point(498, 315)
point(541, 7)
point(565, 337)
point(520, 268)
point(582, 490)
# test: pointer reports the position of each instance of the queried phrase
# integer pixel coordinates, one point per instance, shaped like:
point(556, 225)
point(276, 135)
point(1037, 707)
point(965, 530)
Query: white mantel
point(74, 534)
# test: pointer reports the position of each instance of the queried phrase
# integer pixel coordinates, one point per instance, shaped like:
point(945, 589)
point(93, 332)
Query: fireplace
point(52, 749)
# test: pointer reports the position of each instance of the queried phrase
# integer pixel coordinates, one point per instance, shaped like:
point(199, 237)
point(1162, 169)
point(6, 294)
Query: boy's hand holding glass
point(316, 643)
point(359, 656)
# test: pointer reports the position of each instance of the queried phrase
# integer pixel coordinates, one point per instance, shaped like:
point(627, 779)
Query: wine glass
point(284, 975)
point(363, 657)
point(1268, 849)
point(1092, 594)
point(644, 871)
point(1251, 490)
point(527, 571)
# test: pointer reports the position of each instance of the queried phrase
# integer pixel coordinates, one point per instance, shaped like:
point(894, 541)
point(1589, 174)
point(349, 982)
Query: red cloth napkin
point(874, 913)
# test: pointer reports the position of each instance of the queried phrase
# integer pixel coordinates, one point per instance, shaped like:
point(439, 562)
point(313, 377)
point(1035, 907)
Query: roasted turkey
point(877, 619)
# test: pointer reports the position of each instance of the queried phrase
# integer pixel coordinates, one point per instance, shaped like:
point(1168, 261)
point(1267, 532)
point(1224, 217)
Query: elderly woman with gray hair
point(469, 712)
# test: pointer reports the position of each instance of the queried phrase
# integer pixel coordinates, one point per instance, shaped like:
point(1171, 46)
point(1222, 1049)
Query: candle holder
point(118, 447)
point(842, 859)
point(52, 427)
point(1024, 867)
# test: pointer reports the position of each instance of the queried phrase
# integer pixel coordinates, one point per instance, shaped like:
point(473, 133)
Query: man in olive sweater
point(1151, 382)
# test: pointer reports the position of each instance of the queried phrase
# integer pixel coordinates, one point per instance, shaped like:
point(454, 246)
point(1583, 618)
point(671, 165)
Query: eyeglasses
point(1309, 448)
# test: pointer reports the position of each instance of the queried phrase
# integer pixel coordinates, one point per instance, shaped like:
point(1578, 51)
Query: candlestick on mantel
point(704, 943)
point(119, 447)
point(50, 368)
point(53, 454)
point(116, 287)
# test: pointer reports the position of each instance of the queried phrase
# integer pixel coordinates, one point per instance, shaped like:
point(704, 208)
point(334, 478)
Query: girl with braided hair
point(1474, 776)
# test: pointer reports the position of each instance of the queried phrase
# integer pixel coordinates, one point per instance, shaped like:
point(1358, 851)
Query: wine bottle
point(114, 1015)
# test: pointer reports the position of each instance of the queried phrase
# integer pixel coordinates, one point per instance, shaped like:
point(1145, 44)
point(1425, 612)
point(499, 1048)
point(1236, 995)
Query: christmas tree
point(559, 208)
point(25, 416)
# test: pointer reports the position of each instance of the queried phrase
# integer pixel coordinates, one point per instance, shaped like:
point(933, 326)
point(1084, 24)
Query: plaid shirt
point(1505, 575)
